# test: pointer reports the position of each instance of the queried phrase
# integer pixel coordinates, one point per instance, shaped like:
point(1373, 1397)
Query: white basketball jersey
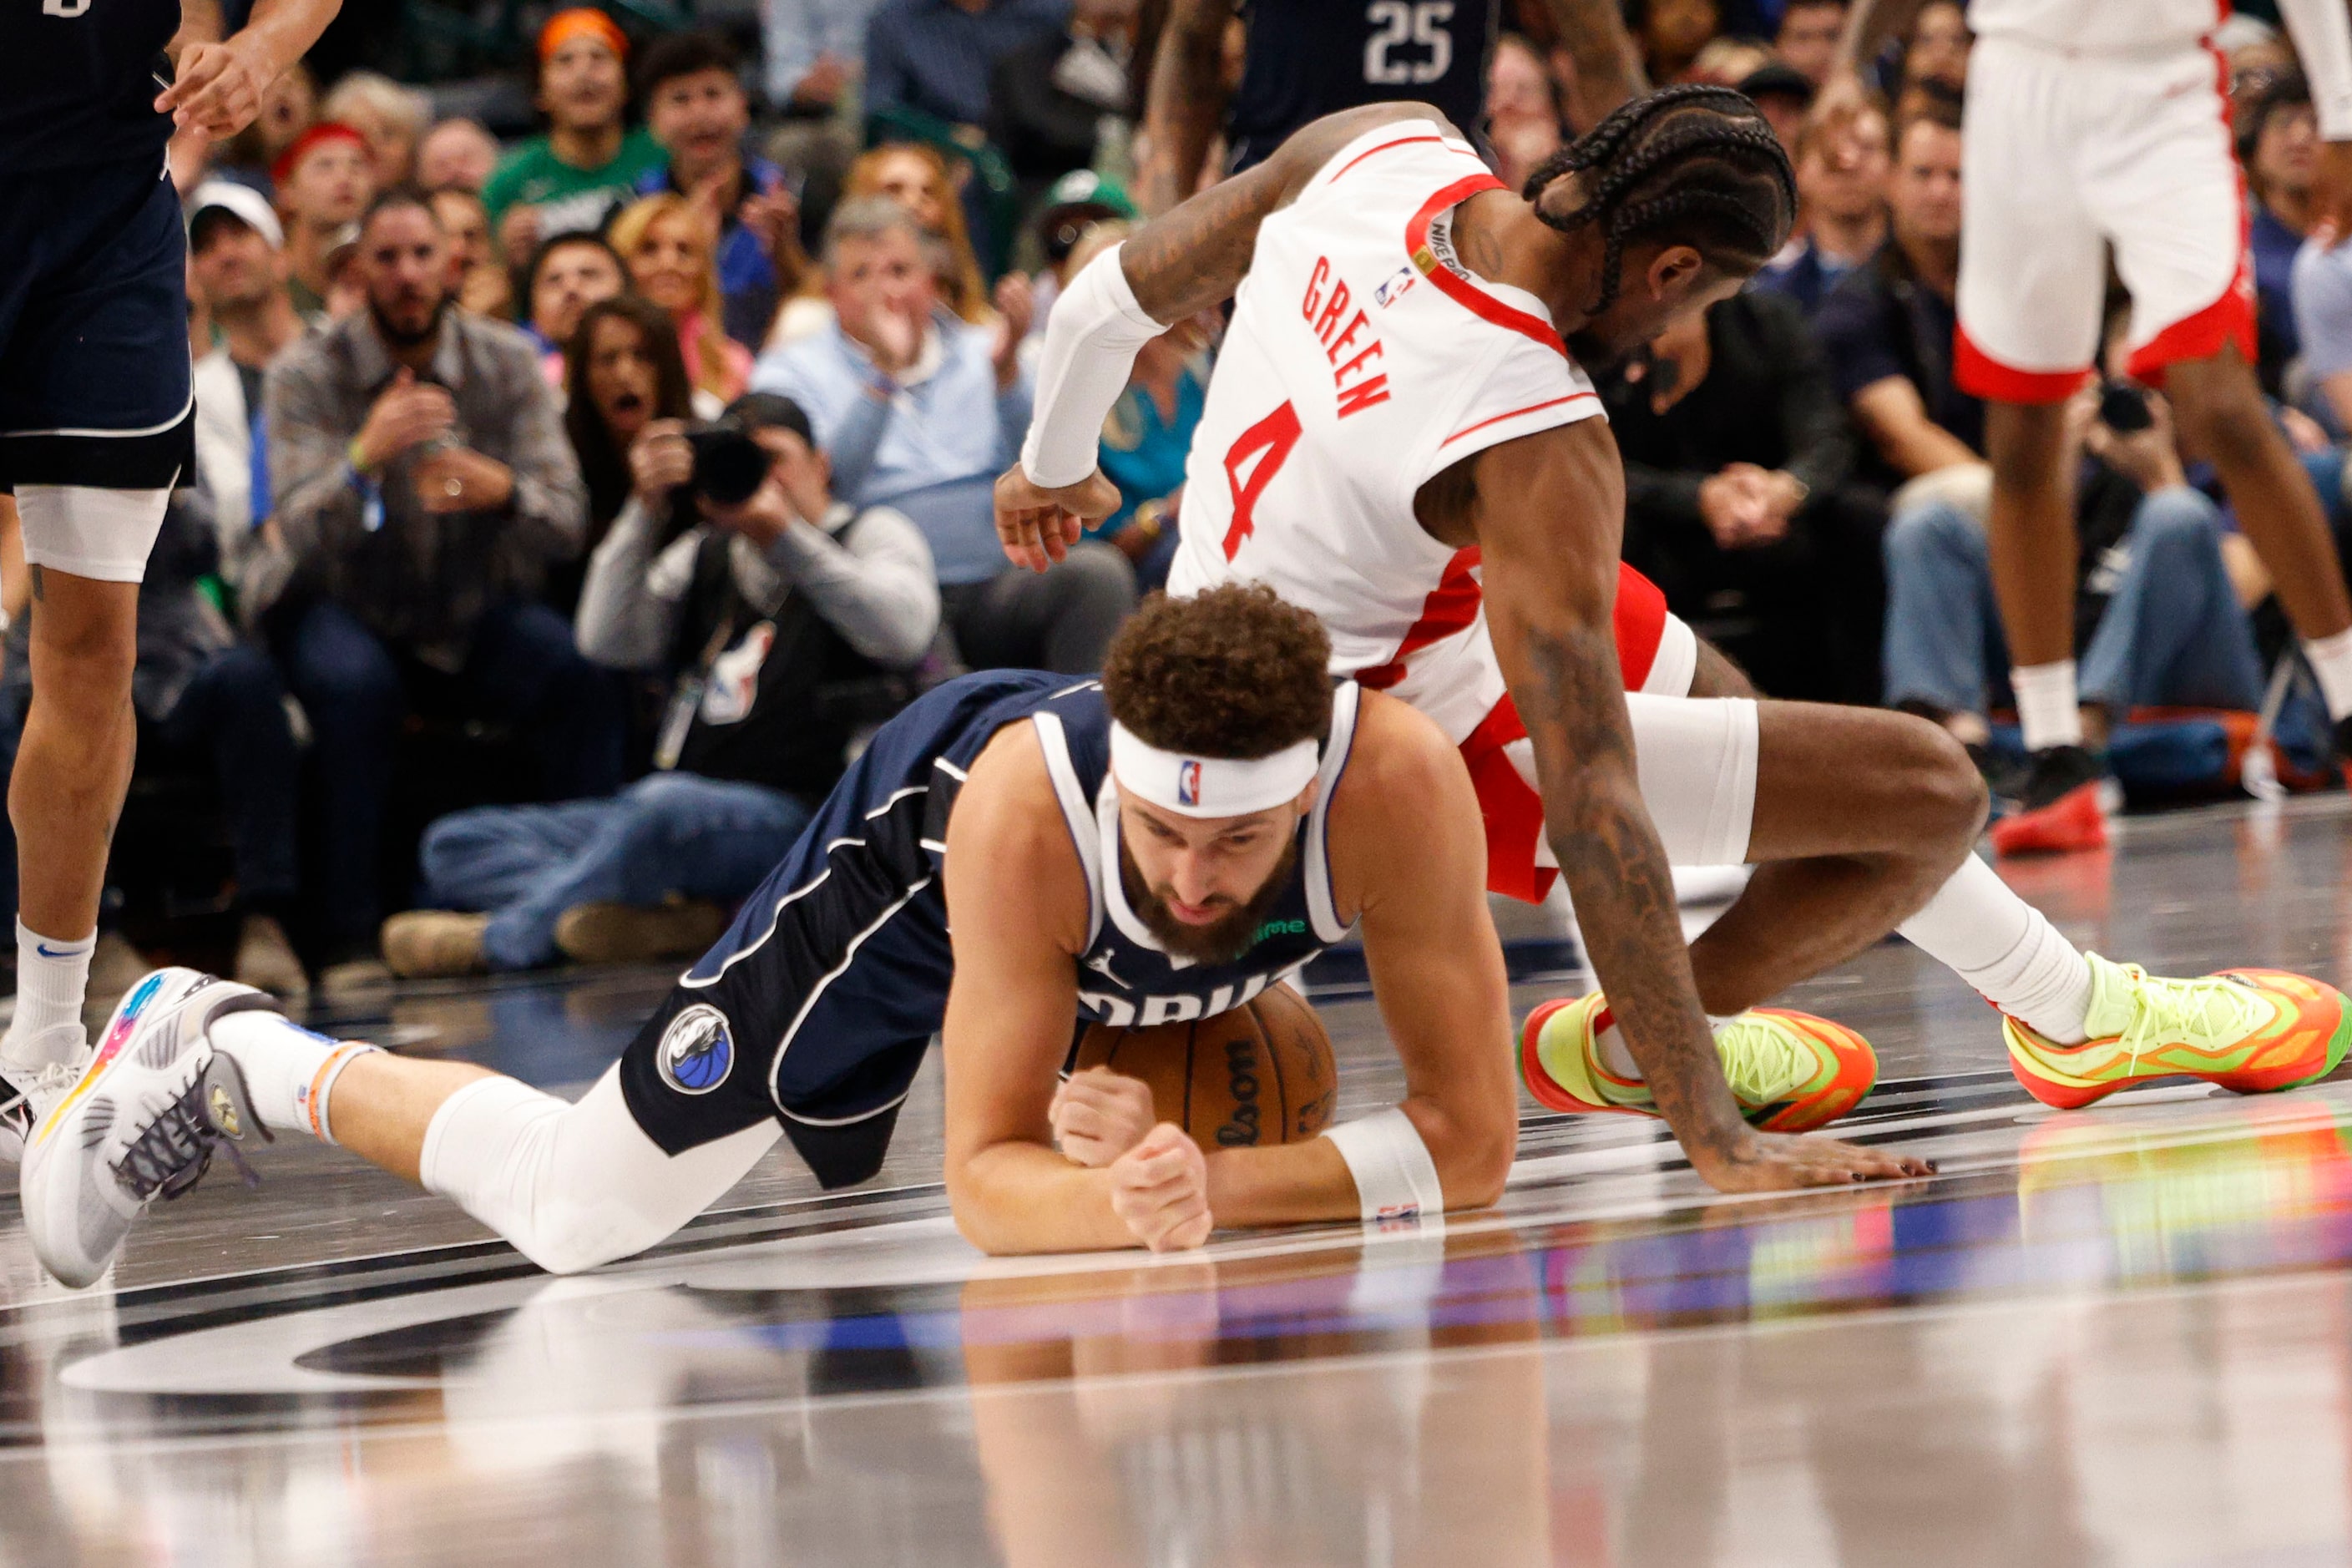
point(2108, 29)
point(1360, 363)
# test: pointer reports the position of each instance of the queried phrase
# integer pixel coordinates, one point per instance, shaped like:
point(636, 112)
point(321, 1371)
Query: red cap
point(318, 136)
point(565, 26)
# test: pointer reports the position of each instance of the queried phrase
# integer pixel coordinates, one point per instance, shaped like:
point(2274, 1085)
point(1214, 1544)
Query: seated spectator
point(289, 107)
point(1077, 203)
point(917, 178)
point(1887, 328)
point(457, 155)
point(1671, 34)
point(1523, 110)
point(2323, 321)
point(1784, 96)
point(622, 371)
point(934, 58)
point(2278, 144)
point(1148, 432)
point(237, 264)
point(1048, 97)
point(816, 53)
point(697, 108)
point(1937, 47)
point(389, 116)
point(1739, 502)
point(665, 242)
point(1842, 170)
point(573, 178)
point(205, 701)
point(1808, 36)
point(919, 411)
point(781, 624)
point(477, 281)
point(424, 485)
point(570, 272)
point(324, 181)
point(1727, 61)
point(2159, 619)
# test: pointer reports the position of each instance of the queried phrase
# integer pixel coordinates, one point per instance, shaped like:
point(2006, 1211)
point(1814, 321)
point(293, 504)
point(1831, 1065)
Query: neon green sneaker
point(2251, 1030)
point(1791, 1072)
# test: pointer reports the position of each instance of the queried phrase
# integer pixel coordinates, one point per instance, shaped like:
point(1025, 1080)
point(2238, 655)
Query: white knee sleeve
point(101, 534)
point(1697, 762)
point(573, 1186)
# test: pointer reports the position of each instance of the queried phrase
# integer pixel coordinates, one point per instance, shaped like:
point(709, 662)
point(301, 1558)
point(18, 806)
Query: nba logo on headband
point(1188, 782)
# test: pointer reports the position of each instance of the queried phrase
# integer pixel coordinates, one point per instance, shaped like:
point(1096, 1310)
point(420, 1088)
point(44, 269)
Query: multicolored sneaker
point(143, 1122)
point(2251, 1030)
point(1791, 1072)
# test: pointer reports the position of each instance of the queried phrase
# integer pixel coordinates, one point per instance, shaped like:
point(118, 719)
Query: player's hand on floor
point(1098, 1115)
point(1037, 526)
point(1779, 1162)
point(1160, 1190)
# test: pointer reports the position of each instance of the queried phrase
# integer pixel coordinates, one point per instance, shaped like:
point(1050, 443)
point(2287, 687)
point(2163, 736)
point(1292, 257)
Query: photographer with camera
point(786, 621)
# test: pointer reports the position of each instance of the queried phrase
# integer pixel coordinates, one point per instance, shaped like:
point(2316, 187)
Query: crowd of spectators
point(485, 669)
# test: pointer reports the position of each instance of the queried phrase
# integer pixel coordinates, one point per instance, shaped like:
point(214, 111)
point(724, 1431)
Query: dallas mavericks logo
point(696, 1051)
point(1188, 782)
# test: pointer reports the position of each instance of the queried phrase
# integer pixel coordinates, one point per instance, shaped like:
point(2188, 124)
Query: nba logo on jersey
point(1188, 782)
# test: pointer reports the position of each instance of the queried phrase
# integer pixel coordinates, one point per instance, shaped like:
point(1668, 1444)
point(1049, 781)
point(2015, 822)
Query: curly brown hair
point(1231, 672)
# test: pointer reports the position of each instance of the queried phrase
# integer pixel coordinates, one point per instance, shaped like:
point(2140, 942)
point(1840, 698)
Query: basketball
point(1261, 1073)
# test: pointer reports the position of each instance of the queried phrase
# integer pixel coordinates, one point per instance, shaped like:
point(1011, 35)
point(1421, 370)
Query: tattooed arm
point(1608, 72)
point(1549, 513)
point(1184, 261)
point(1185, 101)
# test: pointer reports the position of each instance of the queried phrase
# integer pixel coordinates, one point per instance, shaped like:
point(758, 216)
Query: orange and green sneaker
point(1791, 1072)
point(2251, 1030)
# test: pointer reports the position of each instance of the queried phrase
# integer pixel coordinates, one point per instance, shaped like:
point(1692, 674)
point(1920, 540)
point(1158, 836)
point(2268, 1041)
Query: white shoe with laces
point(59, 1053)
point(140, 1122)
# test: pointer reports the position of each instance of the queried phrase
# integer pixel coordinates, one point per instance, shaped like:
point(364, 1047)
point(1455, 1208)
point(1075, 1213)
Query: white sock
point(52, 979)
point(289, 1072)
point(2048, 708)
point(1978, 926)
point(2331, 660)
point(1617, 1058)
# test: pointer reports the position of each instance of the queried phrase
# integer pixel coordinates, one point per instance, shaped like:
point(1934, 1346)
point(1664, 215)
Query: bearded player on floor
point(1158, 847)
point(1401, 436)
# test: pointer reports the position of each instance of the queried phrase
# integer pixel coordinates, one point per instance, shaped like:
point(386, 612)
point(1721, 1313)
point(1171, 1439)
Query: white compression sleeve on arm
point(572, 1186)
point(1091, 340)
point(2322, 30)
point(1395, 1177)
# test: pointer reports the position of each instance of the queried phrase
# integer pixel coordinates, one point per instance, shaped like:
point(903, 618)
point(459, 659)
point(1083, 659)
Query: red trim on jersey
point(1450, 607)
point(2227, 320)
point(1460, 289)
point(1512, 809)
point(1400, 142)
point(1980, 375)
point(1514, 414)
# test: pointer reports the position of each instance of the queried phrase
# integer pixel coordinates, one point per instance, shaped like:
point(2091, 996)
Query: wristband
point(1395, 1178)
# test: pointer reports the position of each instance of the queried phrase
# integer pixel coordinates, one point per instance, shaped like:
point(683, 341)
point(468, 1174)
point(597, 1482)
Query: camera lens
point(728, 465)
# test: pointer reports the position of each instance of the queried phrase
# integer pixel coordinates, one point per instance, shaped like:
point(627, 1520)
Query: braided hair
point(1687, 165)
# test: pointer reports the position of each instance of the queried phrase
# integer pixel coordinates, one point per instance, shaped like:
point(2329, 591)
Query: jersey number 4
point(1269, 441)
point(1406, 22)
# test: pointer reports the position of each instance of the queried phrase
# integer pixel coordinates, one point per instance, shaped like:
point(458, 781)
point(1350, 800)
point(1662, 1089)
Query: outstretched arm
point(1184, 261)
point(1549, 520)
point(1185, 100)
point(1868, 24)
point(1608, 72)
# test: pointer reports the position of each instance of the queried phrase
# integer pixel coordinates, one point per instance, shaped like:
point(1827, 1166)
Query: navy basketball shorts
point(97, 418)
point(815, 1008)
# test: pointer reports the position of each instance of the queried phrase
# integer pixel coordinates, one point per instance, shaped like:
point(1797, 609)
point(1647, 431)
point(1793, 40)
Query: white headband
point(1210, 787)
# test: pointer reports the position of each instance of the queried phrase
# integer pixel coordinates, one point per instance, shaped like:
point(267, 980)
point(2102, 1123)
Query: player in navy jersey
point(96, 416)
point(1307, 58)
point(1013, 855)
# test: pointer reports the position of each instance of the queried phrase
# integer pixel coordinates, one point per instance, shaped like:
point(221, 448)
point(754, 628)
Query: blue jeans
point(522, 668)
point(2172, 631)
point(670, 832)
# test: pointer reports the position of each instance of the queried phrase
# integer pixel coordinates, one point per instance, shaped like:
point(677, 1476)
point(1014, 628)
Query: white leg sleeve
point(573, 1186)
